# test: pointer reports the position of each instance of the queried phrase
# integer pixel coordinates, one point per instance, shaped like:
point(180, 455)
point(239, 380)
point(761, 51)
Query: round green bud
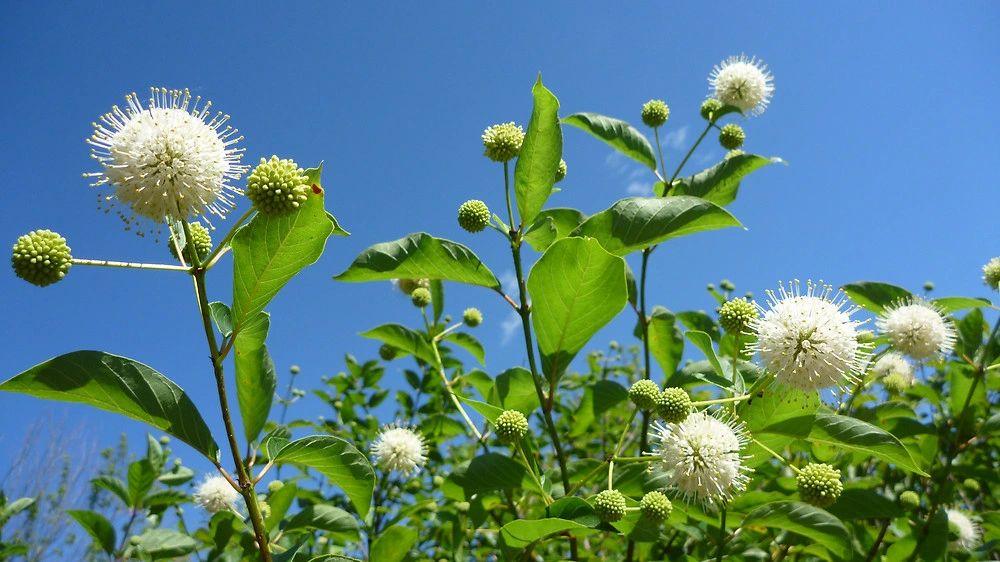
point(511, 426)
point(909, 500)
point(732, 136)
point(928, 286)
point(438, 480)
point(408, 285)
point(472, 317)
point(41, 257)
point(866, 336)
point(655, 506)
point(971, 485)
point(673, 405)
point(201, 241)
point(896, 383)
point(819, 484)
point(655, 113)
point(727, 285)
point(387, 352)
point(298, 392)
point(710, 287)
point(645, 394)
point(736, 315)
point(473, 215)
point(991, 274)
point(275, 485)
point(502, 141)
point(561, 171)
point(295, 369)
point(134, 540)
point(277, 186)
point(421, 297)
point(462, 507)
point(709, 109)
point(264, 507)
point(609, 505)
point(164, 440)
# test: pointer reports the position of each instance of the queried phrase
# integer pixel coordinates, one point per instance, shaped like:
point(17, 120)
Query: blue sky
point(885, 115)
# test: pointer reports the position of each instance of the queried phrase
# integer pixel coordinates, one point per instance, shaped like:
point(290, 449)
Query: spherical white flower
point(968, 530)
point(892, 363)
point(743, 82)
point(918, 329)
point(168, 161)
point(215, 494)
point(809, 341)
point(399, 448)
point(702, 456)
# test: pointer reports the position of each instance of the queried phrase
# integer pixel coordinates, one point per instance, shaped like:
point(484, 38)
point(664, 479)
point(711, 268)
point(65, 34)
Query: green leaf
point(535, 172)
point(165, 543)
point(551, 225)
point(666, 342)
point(620, 135)
point(806, 520)
point(255, 377)
point(120, 385)
point(521, 533)
point(874, 296)
point(949, 305)
point(576, 288)
point(13, 508)
point(269, 251)
point(469, 343)
point(324, 518)
point(177, 476)
point(636, 223)
point(339, 461)
point(852, 434)
point(141, 476)
point(280, 501)
point(97, 526)
point(437, 299)
point(393, 544)
point(403, 339)
point(864, 504)
point(720, 183)
point(115, 486)
point(514, 390)
point(493, 471)
point(222, 316)
point(417, 256)
point(703, 341)
point(488, 411)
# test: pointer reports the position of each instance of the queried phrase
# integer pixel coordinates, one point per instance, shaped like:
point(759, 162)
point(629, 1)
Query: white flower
point(808, 341)
point(702, 456)
point(168, 161)
point(893, 363)
point(399, 448)
point(744, 82)
point(918, 329)
point(215, 494)
point(968, 530)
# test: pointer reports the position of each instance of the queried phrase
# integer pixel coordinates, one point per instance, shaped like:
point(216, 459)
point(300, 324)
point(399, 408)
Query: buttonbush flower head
point(709, 109)
point(736, 315)
point(645, 394)
point(732, 136)
point(609, 505)
point(561, 171)
point(897, 383)
point(892, 362)
point(215, 494)
point(655, 506)
point(967, 531)
point(472, 317)
point(809, 341)
point(399, 448)
point(819, 484)
point(673, 405)
point(168, 160)
point(473, 215)
point(511, 426)
point(277, 186)
point(918, 329)
point(655, 113)
point(743, 82)
point(502, 142)
point(201, 241)
point(909, 500)
point(41, 257)
point(421, 297)
point(408, 285)
point(991, 274)
point(702, 456)
point(387, 352)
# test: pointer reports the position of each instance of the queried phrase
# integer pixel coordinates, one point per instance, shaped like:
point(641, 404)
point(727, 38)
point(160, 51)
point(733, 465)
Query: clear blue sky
point(886, 114)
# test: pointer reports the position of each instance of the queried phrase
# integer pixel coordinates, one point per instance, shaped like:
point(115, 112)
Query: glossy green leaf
point(13, 508)
point(488, 411)
point(269, 251)
point(720, 183)
point(417, 256)
point(864, 504)
point(576, 288)
point(806, 520)
point(222, 316)
point(324, 518)
point(469, 343)
point(853, 434)
point(120, 385)
point(514, 390)
point(949, 305)
point(97, 526)
point(551, 225)
point(160, 544)
point(636, 223)
point(874, 296)
point(339, 461)
point(666, 343)
point(703, 341)
point(403, 339)
point(521, 533)
point(115, 486)
point(255, 377)
point(141, 476)
point(620, 135)
point(280, 502)
point(493, 471)
point(437, 299)
point(393, 544)
point(535, 172)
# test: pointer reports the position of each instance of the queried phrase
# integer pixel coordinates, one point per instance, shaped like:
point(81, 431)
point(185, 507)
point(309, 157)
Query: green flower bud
point(971, 485)
point(709, 108)
point(473, 215)
point(164, 440)
point(275, 485)
point(909, 500)
point(819, 484)
point(387, 352)
point(655, 113)
point(732, 136)
point(502, 141)
point(645, 394)
point(472, 317)
point(928, 286)
point(561, 171)
point(609, 505)
point(674, 405)
point(294, 369)
point(277, 186)
point(462, 507)
point(655, 506)
point(896, 383)
point(736, 315)
point(41, 257)
point(264, 507)
point(991, 274)
point(408, 285)
point(438, 480)
point(511, 426)
point(421, 297)
point(727, 285)
point(201, 241)
point(866, 336)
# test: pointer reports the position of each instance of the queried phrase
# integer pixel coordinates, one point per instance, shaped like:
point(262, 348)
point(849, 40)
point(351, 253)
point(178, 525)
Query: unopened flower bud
point(655, 506)
point(41, 257)
point(609, 505)
point(709, 109)
point(473, 215)
point(387, 352)
point(472, 317)
point(561, 171)
point(819, 484)
point(294, 369)
point(732, 136)
point(673, 405)
point(408, 285)
point(277, 186)
point(645, 394)
point(421, 297)
point(991, 274)
point(275, 485)
point(736, 315)
point(909, 500)
point(511, 426)
point(502, 142)
point(655, 113)
point(201, 241)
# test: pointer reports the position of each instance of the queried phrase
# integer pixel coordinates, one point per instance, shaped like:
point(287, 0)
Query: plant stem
point(221, 247)
point(689, 153)
point(131, 265)
point(878, 542)
point(531, 470)
point(739, 398)
point(722, 535)
point(663, 163)
point(776, 455)
point(447, 386)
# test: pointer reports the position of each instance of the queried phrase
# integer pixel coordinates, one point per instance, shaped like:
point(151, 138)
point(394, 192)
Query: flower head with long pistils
point(917, 328)
point(399, 448)
point(743, 82)
point(215, 494)
point(967, 531)
point(169, 160)
point(702, 456)
point(809, 341)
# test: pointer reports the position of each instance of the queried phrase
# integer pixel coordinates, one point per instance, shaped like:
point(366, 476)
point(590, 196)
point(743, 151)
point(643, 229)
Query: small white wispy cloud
point(639, 188)
point(508, 282)
point(675, 139)
point(508, 327)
